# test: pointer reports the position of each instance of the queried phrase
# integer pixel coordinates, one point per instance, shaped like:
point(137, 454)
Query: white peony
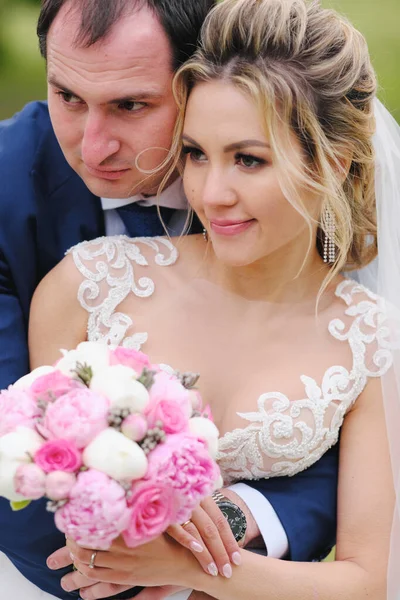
point(19, 445)
point(27, 380)
point(206, 430)
point(219, 483)
point(118, 383)
point(16, 448)
point(94, 354)
point(112, 453)
point(8, 469)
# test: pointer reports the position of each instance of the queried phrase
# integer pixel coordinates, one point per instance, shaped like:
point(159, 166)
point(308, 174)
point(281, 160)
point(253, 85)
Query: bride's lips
point(110, 174)
point(230, 227)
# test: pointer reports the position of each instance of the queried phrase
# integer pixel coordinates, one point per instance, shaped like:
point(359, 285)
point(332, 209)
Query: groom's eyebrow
point(53, 82)
point(138, 96)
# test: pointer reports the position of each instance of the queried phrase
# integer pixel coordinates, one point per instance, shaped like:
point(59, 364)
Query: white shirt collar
point(171, 197)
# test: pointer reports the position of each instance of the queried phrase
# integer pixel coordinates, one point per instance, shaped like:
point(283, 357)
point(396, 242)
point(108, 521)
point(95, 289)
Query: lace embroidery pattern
point(107, 265)
point(277, 429)
point(284, 436)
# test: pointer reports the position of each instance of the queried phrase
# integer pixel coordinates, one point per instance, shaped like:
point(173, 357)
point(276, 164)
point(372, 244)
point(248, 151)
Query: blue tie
point(144, 221)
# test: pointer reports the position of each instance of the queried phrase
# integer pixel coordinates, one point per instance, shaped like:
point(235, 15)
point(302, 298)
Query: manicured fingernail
point(196, 547)
point(212, 569)
point(236, 558)
point(52, 564)
point(227, 570)
point(65, 586)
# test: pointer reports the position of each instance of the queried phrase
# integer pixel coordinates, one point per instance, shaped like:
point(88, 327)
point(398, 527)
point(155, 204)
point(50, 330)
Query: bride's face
point(231, 181)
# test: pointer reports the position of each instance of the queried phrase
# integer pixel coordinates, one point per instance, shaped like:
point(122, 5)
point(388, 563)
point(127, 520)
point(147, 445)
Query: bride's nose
point(218, 189)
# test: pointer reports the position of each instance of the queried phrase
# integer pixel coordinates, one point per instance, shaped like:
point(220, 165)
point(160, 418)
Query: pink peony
point(30, 481)
point(59, 485)
point(168, 388)
point(58, 455)
point(134, 427)
point(170, 413)
point(96, 512)
point(130, 358)
point(17, 408)
point(78, 416)
point(153, 511)
point(53, 385)
point(183, 463)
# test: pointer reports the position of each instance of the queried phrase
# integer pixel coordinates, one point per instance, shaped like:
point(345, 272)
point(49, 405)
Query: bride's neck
point(288, 275)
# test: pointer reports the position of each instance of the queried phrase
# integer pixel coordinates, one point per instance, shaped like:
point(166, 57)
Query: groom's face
point(111, 104)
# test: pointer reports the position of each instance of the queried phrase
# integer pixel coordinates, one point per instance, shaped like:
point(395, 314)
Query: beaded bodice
point(283, 434)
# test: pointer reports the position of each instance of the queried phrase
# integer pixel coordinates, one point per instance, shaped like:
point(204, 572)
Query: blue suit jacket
point(45, 208)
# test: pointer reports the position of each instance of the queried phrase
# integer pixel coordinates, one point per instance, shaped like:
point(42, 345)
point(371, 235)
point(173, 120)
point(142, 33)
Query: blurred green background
point(22, 75)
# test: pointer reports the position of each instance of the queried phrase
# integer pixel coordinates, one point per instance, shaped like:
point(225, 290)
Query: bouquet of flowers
point(117, 445)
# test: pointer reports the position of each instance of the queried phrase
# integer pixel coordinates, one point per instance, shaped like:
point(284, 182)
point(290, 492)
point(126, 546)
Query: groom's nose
point(98, 141)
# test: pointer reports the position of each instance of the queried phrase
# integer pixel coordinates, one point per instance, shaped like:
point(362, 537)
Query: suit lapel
point(67, 212)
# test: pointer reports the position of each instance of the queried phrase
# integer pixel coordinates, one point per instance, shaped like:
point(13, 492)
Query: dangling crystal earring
point(205, 234)
point(329, 241)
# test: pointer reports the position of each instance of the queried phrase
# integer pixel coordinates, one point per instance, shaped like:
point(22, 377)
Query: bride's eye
point(195, 154)
point(249, 161)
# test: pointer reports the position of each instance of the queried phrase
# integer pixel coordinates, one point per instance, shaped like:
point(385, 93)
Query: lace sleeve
point(108, 266)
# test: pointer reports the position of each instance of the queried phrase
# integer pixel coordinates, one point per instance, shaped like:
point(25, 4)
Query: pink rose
point(78, 416)
point(130, 358)
point(30, 481)
point(153, 511)
point(59, 485)
point(17, 408)
point(170, 413)
point(168, 388)
point(183, 463)
point(58, 455)
point(96, 512)
point(53, 385)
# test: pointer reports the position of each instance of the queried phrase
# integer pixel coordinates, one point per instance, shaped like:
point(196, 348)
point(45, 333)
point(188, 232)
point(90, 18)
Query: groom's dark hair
point(180, 19)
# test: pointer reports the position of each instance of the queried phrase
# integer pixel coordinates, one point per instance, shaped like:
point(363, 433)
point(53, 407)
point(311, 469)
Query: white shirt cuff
point(271, 529)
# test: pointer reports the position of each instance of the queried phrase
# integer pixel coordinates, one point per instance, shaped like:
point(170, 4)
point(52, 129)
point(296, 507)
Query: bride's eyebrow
point(231, 147)
point(246, 144)
point(187, 138)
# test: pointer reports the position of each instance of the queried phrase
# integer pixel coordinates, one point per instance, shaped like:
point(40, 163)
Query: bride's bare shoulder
point(56, 319)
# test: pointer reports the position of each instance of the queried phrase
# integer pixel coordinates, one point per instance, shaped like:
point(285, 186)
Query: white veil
point(383, 276)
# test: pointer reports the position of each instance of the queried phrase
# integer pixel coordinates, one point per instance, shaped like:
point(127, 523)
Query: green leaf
point(20, 505)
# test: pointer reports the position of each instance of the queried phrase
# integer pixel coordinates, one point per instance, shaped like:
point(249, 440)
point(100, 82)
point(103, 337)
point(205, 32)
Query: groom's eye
point(69, 98)
point(131, 105)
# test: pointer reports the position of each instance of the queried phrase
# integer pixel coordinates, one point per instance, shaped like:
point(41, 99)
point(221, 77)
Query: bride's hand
point(208, 536)
point(157, 563)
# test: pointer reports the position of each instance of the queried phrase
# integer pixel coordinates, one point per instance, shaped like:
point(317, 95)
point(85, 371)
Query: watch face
point(235, 517)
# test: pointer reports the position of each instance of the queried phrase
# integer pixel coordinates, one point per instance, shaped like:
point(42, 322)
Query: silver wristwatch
point(233, 514)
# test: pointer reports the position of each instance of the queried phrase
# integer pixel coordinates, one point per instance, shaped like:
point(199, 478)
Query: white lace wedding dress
point(136, 294)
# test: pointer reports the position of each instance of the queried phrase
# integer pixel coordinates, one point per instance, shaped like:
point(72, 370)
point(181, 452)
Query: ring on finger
point(92, 559)
point(186, 523)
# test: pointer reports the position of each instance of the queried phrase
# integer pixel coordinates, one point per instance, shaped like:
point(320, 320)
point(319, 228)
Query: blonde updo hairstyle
point(309, 72)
